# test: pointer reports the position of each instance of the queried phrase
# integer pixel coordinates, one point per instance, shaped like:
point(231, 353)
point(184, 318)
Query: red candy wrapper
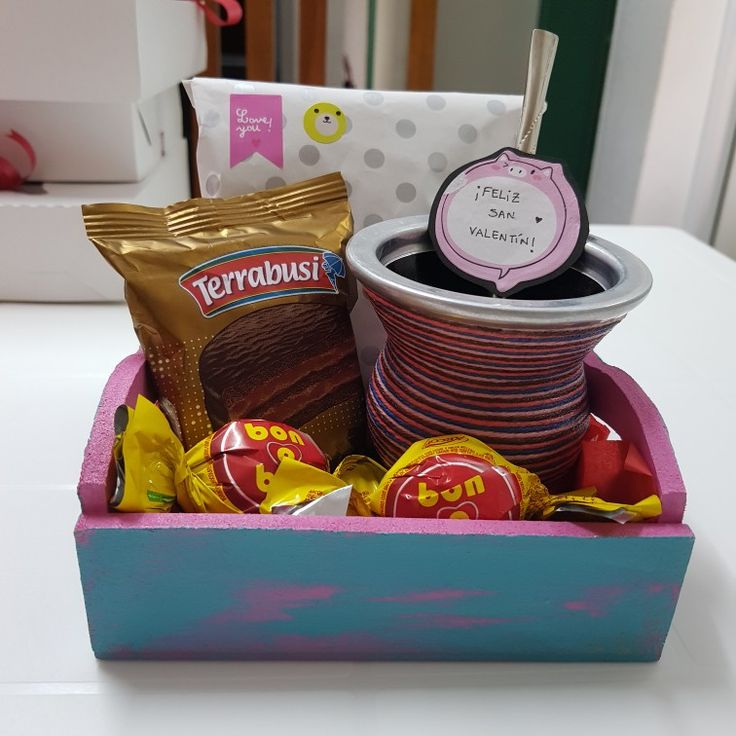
point(614, 467)
point(456, 477)
point(243, 456)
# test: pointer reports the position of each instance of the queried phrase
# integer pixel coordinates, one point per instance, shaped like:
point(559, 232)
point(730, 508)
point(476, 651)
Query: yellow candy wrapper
point(294, 483)
point(364, 475)
point(251, 469)
point(153, 471)
point(146, 476)
point(583, 502)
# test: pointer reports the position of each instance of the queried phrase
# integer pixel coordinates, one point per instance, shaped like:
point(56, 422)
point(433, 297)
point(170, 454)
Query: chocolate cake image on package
point(241, 306)
point(292, 363)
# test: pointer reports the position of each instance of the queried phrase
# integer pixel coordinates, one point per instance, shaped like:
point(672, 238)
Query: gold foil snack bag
point(241, 307)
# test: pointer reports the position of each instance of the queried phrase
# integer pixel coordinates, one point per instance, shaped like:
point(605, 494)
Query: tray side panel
point(98, 472)
point(286, 594)
point(619, 400)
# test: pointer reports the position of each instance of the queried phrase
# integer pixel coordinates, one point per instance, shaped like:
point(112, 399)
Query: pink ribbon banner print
point(256, 127)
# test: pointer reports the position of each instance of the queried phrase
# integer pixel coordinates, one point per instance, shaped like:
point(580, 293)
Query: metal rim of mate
point(625, 279)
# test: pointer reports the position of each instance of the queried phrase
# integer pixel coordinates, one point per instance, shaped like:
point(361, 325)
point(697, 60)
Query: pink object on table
point(17, 160)
point(232, 8)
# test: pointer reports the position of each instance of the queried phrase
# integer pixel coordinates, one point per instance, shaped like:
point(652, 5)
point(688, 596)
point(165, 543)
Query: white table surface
point(680, 345)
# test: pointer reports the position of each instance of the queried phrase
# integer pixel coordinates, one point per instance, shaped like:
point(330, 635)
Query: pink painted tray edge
point(617, 398)
point(643, 425)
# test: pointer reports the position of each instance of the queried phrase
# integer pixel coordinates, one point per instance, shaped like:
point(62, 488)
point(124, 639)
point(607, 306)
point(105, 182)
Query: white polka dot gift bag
point(394, 149)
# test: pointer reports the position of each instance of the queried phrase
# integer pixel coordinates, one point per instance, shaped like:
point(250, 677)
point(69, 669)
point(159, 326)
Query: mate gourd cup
point(508, 371)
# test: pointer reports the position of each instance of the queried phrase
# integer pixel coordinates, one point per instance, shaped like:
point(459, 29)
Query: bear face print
point(325, 122)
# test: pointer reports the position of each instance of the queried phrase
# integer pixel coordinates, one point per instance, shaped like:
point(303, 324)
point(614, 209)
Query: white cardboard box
point(101, 51)
point(45, 252)
point(89, 141)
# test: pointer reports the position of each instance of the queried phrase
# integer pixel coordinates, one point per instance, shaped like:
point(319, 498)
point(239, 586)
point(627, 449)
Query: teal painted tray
point(189, 586)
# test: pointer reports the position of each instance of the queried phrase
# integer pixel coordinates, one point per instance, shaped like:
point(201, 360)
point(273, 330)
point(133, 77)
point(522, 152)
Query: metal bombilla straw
point(542, 52)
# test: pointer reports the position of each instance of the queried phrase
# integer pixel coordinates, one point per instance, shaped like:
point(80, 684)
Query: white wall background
point(668, 116)
point(391, 45)
point(483, 45)
point(355, 36)
point(634, 64)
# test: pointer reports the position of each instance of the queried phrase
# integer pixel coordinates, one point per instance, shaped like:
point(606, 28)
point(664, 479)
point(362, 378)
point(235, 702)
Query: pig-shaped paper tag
point(508, 221)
